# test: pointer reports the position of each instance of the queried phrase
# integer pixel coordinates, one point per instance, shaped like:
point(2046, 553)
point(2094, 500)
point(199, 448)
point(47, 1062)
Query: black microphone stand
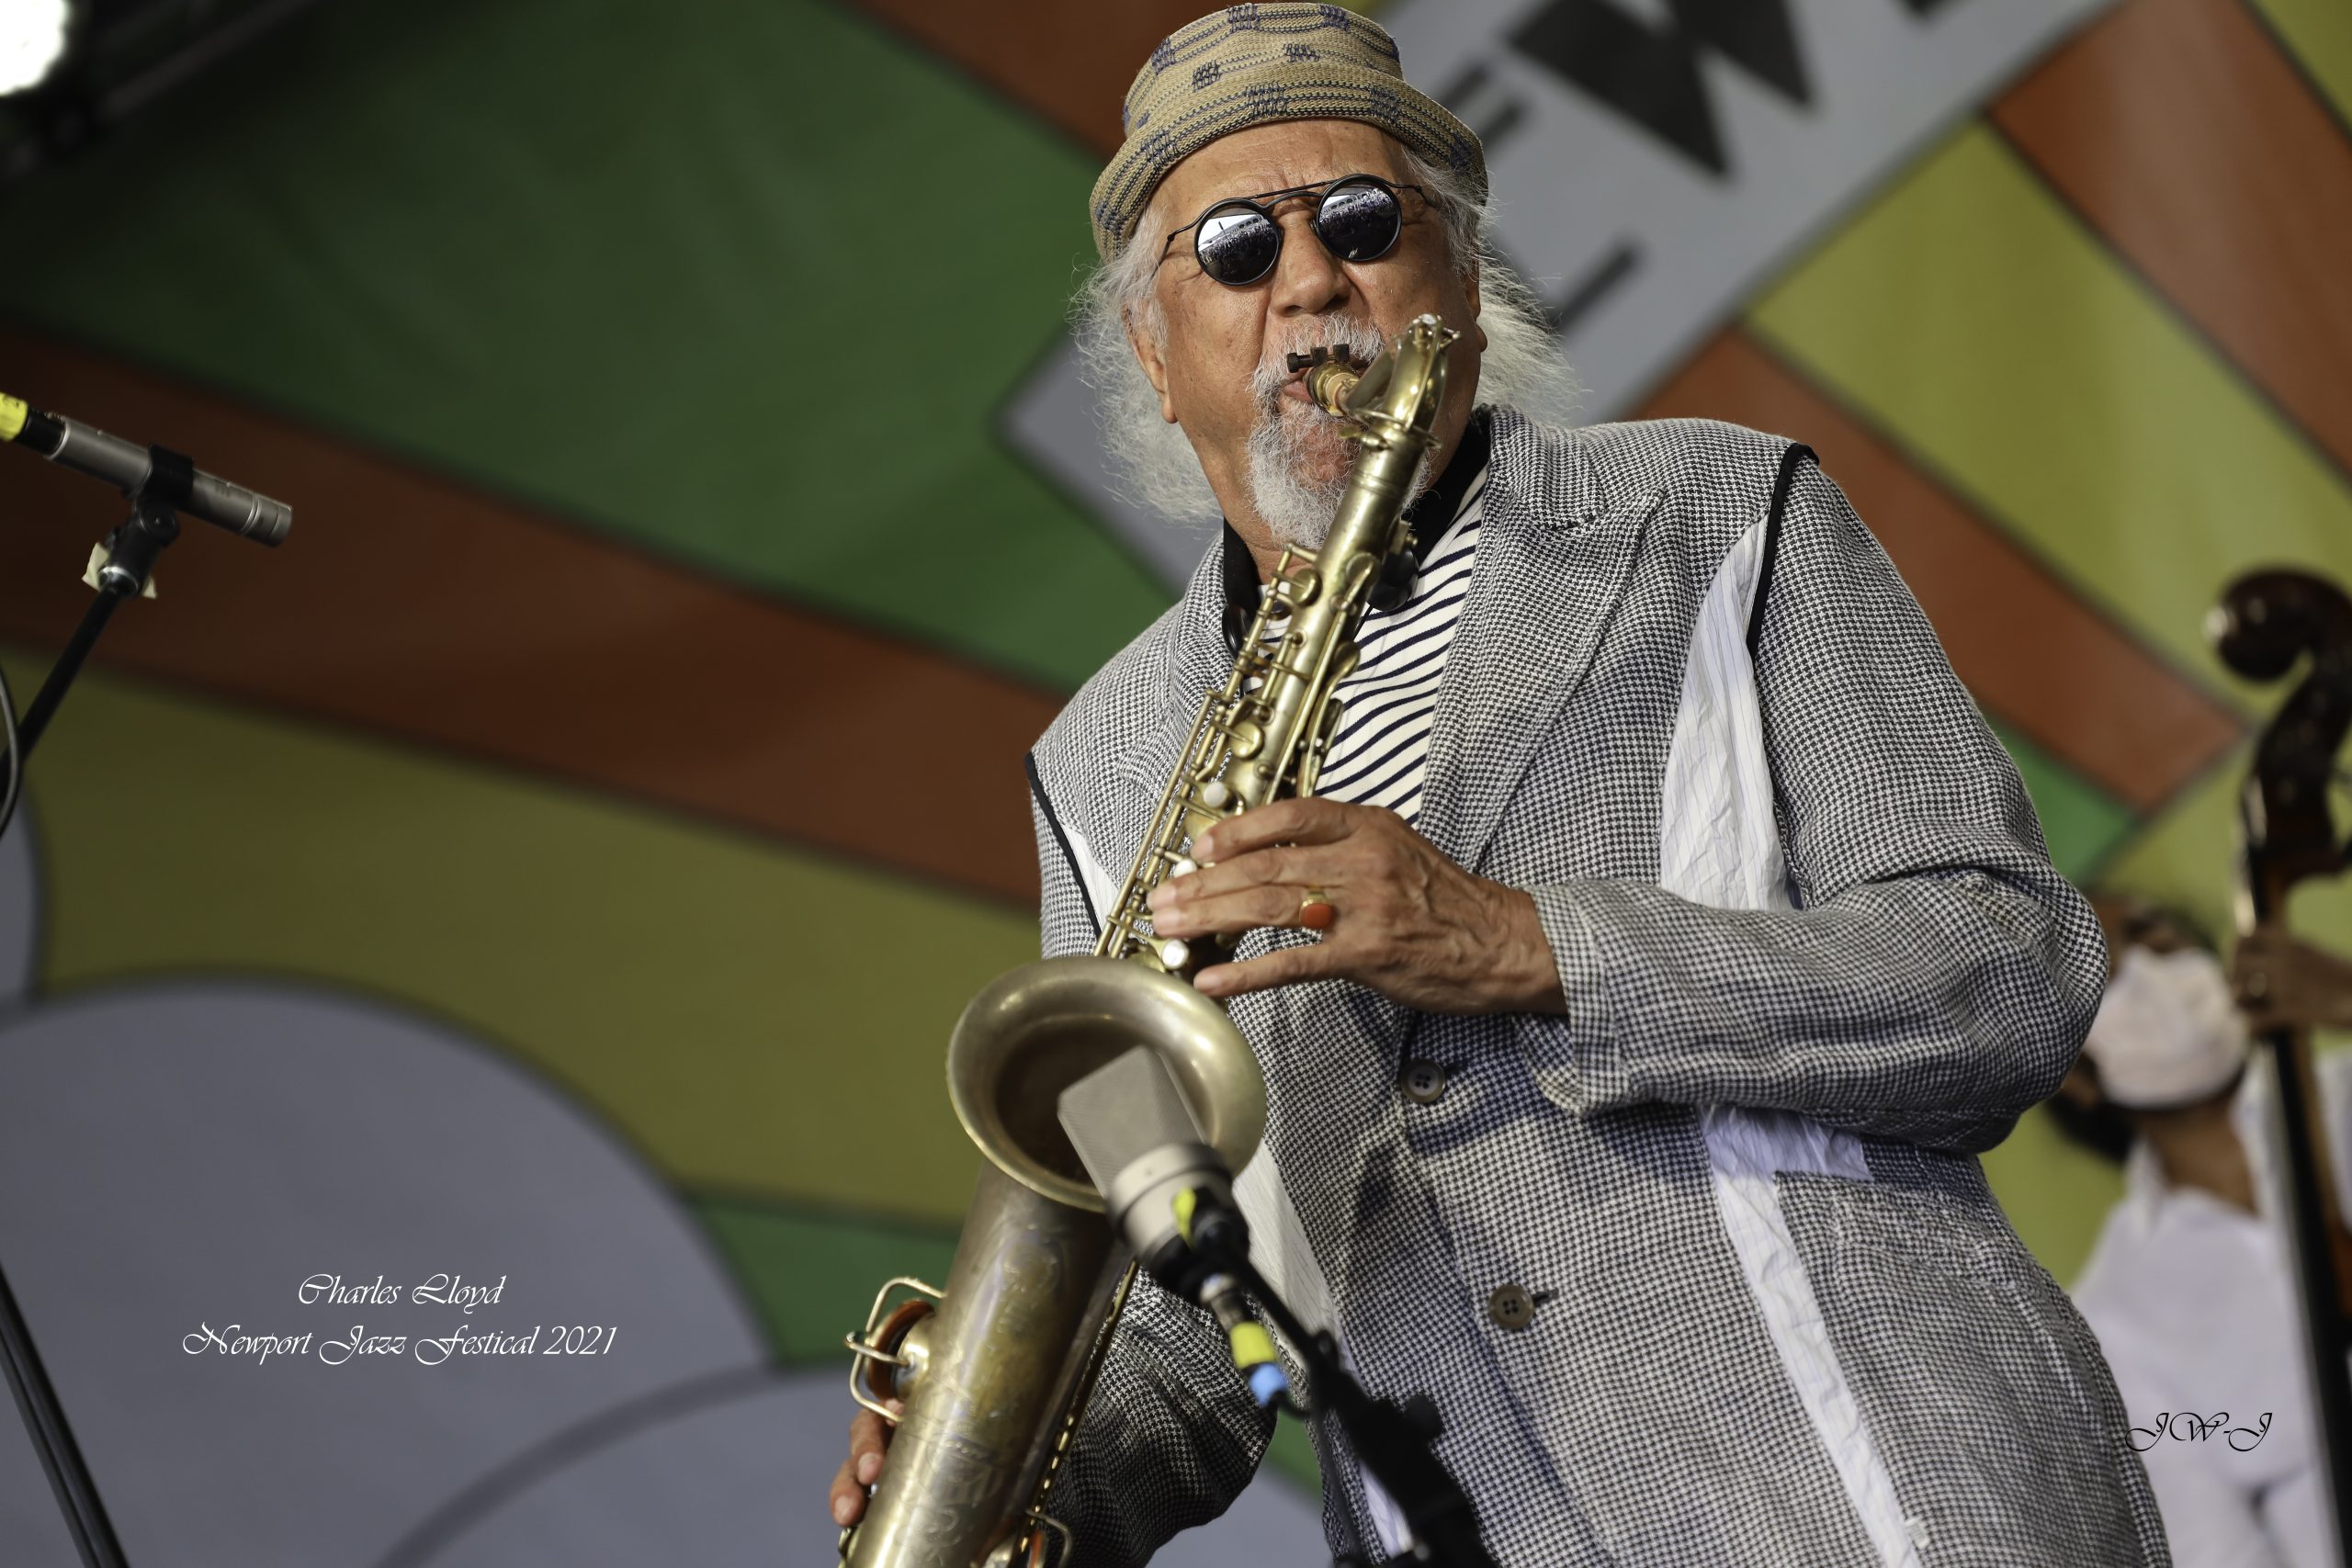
point(131, 551)
point(1396, 1443)
point(61, 1456)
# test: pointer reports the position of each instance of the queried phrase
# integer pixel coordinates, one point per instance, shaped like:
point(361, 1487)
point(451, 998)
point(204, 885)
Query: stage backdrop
point(565, 856)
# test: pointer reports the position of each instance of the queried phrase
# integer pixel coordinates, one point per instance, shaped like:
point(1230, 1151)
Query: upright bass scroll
point(2263, 627)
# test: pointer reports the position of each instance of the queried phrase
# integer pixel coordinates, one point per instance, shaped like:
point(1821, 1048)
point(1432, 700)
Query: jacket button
point(1424, 1083)
point(1511, 1307)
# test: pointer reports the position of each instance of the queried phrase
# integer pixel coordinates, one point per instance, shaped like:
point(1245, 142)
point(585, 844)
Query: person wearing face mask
point(2190, 1288)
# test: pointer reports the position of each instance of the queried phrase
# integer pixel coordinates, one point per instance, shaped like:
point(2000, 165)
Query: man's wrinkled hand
point(1407, 922)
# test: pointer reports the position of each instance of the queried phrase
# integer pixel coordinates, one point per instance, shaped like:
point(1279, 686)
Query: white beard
point(1294, 443)
point(1296, 508)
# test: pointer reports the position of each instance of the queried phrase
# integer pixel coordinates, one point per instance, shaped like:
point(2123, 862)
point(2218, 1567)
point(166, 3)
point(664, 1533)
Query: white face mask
point(2168, 1033)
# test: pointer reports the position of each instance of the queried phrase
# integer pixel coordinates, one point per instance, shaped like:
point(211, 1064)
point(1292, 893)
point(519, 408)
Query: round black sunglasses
point(1237, 241)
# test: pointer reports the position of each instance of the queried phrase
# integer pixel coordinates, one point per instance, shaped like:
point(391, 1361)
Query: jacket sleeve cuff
point(1578, 1055)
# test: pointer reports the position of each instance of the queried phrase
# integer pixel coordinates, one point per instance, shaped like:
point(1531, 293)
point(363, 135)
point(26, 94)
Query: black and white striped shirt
point(1381, 753)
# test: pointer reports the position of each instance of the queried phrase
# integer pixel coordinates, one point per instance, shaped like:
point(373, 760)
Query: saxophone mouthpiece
point(1321, 354)
point(1331, 373)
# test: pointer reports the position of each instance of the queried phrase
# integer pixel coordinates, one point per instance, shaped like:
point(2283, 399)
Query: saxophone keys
point(1216, 795)
point(1174, 954)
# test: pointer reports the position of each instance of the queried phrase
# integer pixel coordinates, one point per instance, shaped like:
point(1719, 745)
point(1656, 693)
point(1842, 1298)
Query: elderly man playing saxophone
point(1682, 934)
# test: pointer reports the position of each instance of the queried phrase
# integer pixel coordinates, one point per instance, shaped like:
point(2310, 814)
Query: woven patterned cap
point(1252, 65)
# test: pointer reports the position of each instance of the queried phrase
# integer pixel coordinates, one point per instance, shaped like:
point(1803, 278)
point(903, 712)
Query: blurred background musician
point(2189, 1287)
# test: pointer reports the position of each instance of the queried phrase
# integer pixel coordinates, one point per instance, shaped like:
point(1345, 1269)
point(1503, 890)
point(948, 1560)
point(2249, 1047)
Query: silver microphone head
point(1142, 1147)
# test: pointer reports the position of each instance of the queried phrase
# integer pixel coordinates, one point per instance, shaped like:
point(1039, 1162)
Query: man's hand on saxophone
point(1400, 917)
point(1396, 915)
point(869, 1441)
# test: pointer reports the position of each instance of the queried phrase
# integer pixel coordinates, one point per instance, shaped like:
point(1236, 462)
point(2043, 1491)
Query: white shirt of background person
point(2192, 1297)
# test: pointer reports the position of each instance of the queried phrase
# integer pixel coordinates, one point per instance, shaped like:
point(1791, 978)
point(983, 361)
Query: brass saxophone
point(994, 1371)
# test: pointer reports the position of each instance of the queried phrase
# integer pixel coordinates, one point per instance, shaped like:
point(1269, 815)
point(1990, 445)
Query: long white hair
point(1152, 463)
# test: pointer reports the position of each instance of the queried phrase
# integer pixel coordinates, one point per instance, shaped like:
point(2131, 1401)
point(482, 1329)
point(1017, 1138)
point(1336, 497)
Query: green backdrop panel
point(743, 280)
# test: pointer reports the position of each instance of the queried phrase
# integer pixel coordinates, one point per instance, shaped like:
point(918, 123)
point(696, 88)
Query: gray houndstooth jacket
point(1780, 1318)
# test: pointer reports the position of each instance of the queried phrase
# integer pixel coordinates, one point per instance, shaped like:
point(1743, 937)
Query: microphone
point(1170, 1199)
point(88, 450)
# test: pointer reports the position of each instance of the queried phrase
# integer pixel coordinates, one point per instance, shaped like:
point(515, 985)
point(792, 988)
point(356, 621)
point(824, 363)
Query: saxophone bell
point(990, 1367)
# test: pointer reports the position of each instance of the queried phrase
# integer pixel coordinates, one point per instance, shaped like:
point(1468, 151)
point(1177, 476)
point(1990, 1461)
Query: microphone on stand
point(88, 450)
point(1170, 1199)
point(161, 485)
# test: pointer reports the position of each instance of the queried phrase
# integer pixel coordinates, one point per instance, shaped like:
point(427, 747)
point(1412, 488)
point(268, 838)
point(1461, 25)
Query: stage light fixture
point(32, 40)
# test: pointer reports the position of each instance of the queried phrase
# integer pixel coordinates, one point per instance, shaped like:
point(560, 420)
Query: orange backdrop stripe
point(424, 610)
point(2198, 151)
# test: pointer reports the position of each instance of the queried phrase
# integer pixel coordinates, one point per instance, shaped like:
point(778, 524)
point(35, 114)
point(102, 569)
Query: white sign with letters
point(1652, 162)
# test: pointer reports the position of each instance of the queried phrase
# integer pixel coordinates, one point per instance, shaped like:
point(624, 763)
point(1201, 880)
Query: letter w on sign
point(1649, 73)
